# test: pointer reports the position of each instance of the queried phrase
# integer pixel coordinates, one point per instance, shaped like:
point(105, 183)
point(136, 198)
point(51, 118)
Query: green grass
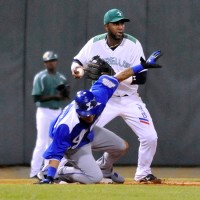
point(98, 192)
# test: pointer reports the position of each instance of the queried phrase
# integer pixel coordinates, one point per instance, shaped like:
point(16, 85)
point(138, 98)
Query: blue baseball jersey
point(68, 131)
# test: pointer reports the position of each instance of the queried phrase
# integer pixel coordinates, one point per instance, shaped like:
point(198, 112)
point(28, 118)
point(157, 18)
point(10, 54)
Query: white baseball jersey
point(125, 102)
point(127, 54)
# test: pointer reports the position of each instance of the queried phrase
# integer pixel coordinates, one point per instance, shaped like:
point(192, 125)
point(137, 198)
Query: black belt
point(54, 108)
point(50, 108)
point(123, 95)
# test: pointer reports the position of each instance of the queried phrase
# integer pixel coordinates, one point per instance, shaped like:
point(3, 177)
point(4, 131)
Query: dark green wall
point(30, 27)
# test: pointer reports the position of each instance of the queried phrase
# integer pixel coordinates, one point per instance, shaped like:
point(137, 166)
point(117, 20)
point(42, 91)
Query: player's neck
point(51, 71)
point(113, 43)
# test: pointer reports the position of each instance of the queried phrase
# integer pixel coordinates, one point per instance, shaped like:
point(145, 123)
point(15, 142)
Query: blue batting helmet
point(86, 103)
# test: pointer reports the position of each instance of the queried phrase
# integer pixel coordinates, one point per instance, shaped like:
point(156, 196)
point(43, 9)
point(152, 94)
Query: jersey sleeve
point(60, 143)
point(138, 53)
point(104, 88)
point(83, 55)
point(63, 79)
point(37, 85)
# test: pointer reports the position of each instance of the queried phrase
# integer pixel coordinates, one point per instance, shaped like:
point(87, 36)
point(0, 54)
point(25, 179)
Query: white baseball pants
point(44, 117)
point(136, 115)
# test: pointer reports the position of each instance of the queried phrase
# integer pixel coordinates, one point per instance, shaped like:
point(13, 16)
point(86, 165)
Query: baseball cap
point(114, 15)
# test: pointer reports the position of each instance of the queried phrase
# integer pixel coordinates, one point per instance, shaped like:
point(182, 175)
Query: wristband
point(51, 171)
point(137, 68)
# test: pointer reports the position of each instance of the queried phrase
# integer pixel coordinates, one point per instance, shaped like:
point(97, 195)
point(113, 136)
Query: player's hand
point(154, 57)
point(59, 97)
point(63, 91)
point(78, 72)
point(151, 61)
point(149, 64)
point(48, 180)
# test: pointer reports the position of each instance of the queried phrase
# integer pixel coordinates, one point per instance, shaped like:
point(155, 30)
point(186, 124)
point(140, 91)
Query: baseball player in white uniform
point(74, 132)
point(122, 50)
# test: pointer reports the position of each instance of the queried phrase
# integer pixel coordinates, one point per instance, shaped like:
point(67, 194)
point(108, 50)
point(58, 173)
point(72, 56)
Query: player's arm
point(43, 98)
point(56, 151)
point(104, 88)
point(81, 59)
point(139, 78)
point(52, 169)
point(131, 71)
point(77, 69)
point(37, 92)
point(124, 74)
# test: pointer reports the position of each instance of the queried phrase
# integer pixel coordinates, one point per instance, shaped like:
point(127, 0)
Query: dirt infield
point(127, 182)
point(168, 182)
point(170, 176)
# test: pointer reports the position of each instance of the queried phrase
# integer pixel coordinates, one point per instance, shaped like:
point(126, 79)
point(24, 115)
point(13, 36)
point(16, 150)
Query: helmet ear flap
point(86, 103)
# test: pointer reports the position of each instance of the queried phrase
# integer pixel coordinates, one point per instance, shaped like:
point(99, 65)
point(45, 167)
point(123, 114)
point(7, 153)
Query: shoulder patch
point(108, 83)
point(99, 37)
point(130, 37)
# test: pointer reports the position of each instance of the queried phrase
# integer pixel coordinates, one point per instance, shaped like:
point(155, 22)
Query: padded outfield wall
point(30, 27)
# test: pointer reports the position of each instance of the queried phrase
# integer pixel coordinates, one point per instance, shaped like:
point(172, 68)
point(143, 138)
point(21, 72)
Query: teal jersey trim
point(99, 37)
point(130, 37)
point(103, 36)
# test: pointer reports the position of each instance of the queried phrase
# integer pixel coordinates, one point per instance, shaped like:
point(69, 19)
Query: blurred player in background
point(50, 94)
point(122, 50)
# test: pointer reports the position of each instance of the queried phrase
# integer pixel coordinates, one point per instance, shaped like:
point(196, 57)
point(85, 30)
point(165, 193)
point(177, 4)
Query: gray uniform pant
point(87, 169)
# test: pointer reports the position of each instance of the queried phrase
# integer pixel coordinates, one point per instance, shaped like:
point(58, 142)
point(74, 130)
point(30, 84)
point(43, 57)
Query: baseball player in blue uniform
point(74, 131)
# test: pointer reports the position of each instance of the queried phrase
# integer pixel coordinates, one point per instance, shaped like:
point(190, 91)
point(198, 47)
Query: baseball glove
point(96, 67)
point(64, 90)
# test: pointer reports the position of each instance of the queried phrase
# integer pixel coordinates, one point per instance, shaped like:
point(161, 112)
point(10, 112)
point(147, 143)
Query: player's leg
point(109, 113)
point(42, 126)
point(113, 146)
point(43, 119)
point(106, 161)
point(85, 169)
point(140, 121)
